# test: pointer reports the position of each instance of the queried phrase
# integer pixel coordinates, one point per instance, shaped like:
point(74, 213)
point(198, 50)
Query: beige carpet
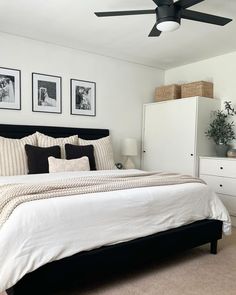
point(195, 272)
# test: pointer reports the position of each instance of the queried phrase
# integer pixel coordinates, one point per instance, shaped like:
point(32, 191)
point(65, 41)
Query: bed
point(117, 245)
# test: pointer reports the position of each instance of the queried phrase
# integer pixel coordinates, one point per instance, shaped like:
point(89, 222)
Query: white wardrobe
point(174, 134)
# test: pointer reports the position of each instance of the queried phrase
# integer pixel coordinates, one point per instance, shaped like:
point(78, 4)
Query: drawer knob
point(221, 168)
point(221, 185)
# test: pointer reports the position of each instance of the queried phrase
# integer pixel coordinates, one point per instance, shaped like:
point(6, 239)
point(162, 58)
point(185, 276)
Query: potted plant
point(221, 130)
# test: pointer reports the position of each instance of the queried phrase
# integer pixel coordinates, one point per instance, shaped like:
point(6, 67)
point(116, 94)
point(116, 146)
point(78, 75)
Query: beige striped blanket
point(13, 195)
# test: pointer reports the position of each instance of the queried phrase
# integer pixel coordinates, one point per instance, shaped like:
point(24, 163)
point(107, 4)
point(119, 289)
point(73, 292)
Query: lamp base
point(129, 164)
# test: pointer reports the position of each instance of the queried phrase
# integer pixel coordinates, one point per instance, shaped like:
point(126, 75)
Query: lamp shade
point(129, 147)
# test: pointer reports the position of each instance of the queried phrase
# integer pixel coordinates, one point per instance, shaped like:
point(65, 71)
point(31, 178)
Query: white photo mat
point(50, 103)
point(83, 98)
point(10, 89)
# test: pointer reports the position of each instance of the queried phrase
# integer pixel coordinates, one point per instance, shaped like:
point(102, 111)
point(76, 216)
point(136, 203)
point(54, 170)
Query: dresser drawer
point(221, 185)
point(230, 203)
point(218, 166)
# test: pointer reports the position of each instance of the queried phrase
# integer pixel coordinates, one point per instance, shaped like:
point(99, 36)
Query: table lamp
point(129, 149)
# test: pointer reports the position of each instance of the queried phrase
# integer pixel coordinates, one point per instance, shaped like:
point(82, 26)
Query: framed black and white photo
point(10, 89)
point(83, 98)
point(46, 93)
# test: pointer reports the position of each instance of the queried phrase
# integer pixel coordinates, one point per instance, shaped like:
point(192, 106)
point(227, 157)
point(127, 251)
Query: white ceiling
point(72, 23)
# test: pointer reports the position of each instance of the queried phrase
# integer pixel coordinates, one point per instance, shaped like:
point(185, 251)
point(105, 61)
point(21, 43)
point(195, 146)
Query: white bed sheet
point(39, 232)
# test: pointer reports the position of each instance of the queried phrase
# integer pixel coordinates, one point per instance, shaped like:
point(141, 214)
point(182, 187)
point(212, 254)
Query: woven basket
point(200, 88)
point(168, 92)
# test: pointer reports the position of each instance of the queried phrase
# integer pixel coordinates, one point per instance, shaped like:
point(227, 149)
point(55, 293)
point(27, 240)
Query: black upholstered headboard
point(19, 131)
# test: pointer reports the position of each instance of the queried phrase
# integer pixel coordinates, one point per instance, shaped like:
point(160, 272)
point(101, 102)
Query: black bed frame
point(57, 275)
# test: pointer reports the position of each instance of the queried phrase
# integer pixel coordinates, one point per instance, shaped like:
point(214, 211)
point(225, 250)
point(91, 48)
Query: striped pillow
point(103, 152)
point(48, 141)
point(13, 160)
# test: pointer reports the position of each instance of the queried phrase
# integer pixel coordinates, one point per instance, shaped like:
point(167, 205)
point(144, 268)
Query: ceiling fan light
point(168, 26)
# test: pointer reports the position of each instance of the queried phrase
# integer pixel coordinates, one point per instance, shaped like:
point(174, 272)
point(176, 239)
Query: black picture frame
point(88, 106)
point(50, 89)
point(11, 78)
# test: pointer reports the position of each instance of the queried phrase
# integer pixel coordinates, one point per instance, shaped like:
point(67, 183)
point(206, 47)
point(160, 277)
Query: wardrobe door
point(169, 131)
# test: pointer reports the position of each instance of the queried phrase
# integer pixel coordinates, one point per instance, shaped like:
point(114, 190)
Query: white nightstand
point(220, 175)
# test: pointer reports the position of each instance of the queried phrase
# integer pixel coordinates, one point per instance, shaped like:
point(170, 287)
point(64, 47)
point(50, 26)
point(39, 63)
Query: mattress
point(42, 231)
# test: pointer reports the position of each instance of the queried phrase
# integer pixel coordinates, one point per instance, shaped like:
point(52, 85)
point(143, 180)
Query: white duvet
point(42, 231)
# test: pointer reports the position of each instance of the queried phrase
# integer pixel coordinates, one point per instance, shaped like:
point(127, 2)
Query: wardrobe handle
point(221, 185)
point(221, 168)
point(144, 151)
point(191, 155)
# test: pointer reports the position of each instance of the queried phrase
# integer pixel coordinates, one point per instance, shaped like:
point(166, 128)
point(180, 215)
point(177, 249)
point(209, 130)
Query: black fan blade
point(204, 17)
point(122, 13)
point(163, 2)
point(154, 32)
point(187, 3)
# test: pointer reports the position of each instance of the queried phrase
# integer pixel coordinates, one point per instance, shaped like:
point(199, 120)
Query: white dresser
point(220, 175)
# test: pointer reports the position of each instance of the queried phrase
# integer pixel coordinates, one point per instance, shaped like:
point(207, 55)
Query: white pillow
point(61, 165)
point(103, 152)
point(13, 159)
point(47, 141)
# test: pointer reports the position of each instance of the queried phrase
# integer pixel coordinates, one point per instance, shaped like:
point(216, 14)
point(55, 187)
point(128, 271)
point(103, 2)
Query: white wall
point(122, 87)
point(220, 70)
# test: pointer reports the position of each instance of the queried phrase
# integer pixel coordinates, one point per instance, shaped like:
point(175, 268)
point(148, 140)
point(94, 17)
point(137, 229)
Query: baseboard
point(233, 219)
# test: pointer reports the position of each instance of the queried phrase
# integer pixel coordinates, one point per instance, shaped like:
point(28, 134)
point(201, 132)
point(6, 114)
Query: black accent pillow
point(37, 157)
point(79, 151)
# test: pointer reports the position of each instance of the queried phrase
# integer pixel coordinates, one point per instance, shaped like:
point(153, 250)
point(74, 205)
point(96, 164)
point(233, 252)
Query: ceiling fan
point(169, 15)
